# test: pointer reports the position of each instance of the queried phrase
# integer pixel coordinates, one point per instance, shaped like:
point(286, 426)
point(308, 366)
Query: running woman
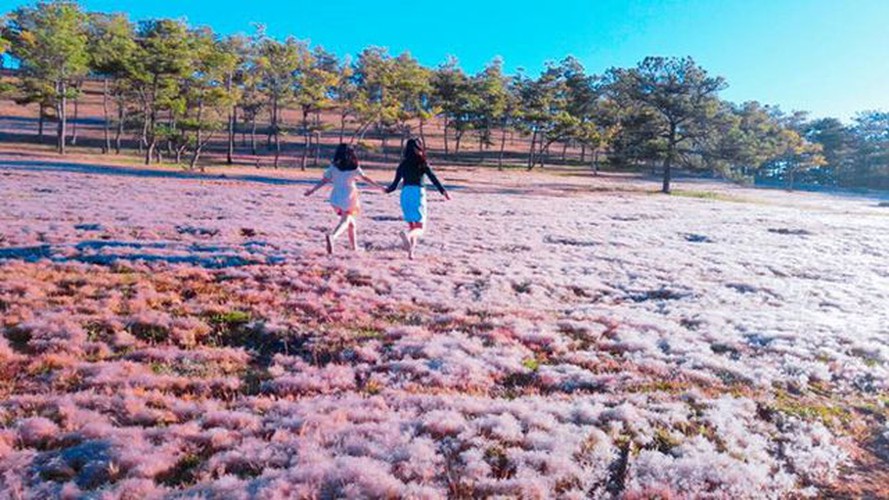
point(344, 174)
point(411, 173)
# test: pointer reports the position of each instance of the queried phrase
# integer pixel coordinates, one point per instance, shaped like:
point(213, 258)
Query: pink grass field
point(560, 335)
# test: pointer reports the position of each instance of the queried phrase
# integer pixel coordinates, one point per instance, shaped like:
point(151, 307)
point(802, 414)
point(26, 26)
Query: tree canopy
point(174, 87)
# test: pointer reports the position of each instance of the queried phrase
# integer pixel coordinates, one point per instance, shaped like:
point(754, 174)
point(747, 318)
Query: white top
point(344, 194)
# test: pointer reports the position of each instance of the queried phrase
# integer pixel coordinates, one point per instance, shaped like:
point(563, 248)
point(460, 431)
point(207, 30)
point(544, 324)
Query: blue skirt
point(413, 203)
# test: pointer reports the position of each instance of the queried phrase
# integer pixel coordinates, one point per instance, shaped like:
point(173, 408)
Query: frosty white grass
point(179, 337)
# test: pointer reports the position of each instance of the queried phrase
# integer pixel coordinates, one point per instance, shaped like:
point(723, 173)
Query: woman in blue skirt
point(411, 173)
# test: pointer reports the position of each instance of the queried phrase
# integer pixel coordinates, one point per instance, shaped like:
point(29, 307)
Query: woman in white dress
point(344, 174)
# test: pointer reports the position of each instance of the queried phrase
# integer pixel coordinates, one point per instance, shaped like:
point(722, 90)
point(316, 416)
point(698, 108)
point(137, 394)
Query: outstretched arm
point(437, 183)
point(394, 185)
point(323, 181)
point(373, 182)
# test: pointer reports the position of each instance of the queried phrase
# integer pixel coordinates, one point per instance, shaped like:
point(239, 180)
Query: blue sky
point(825, 56)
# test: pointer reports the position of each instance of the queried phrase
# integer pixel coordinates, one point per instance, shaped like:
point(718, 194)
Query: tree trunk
point(106, 148)
point(199, 136)
point(596, 162)
point(385, 151)
point(317, 147)
point(502, 148)
point(307, 140)
point(40, 119)
point(481, 152)
point(231, 123)
point(583, 153)
point(230, 152)
point(273, 122)
point(197, 154)
point(277, 149)
point(668, 161)
point(121, 116)
point(143, 139)
point(60, 111)
point(171, 123)
point(148, 127)
point(446, 137)
point(152, 139)
point(198, 148)
point(243, 128)
point(531, 150)
point(253, 134)
point(74, 122)
point(458, 136)
point(422, 133)
point(564, 151)
point(542, 149)
point(342, 127)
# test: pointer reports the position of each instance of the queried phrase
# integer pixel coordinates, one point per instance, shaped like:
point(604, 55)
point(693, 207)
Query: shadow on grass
point(82, 168)
point(97, 252)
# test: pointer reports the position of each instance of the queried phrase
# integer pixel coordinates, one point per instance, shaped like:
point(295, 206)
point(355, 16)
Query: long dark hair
point(414, 156)
point(345, 158)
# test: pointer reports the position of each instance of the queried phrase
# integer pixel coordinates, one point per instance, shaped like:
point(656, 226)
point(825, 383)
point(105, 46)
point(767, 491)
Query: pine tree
point(50, 41)
point(314, 80)
point(677, 95)
point(112, 46)
point(163, 58)
point(494, 100)
point(279, 63)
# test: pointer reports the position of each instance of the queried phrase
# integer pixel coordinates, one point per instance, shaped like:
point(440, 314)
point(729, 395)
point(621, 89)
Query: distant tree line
point(173, 88)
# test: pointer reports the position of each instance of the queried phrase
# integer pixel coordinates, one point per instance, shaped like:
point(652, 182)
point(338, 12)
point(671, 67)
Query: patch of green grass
point(831, 415)
point(706, 195)
point(501, 467)
point(667, 386)
point(373, 387)
point(663, 440)
point(231, 318)
point(184, 472)
point(97, 331)
point(531, 364)
point(870, 359)
point(42, 368)
point(149, 332)
point(367, 333)
point(160, 368)
point(823, 358)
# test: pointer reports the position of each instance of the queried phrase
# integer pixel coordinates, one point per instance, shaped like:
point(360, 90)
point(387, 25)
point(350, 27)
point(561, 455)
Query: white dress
point(344, 195)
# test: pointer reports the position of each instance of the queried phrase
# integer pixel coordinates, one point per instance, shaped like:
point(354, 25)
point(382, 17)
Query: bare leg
point(353, 233)
point(406, 240)
point(415, 232)
point(345, 221)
